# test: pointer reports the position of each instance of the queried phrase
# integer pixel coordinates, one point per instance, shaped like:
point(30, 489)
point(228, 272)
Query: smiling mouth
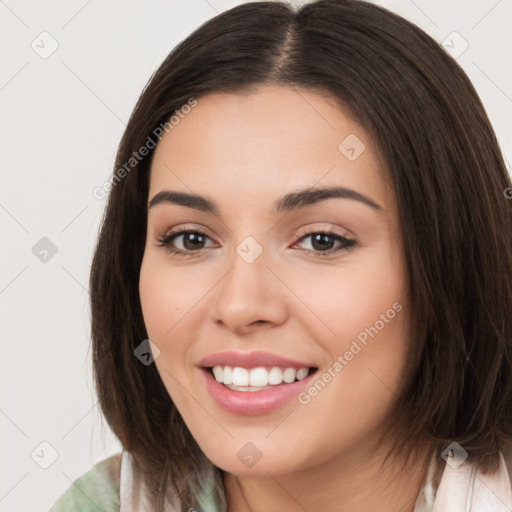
point(259, 378)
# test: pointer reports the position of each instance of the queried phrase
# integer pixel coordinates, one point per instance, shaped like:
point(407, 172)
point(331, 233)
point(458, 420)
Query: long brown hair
point(449, 177)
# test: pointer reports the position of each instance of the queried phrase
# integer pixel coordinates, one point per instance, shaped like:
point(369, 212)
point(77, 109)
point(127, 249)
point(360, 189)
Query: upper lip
point(251, 360)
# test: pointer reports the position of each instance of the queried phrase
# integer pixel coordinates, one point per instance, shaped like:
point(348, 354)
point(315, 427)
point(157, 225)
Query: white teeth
point(256, 379)
point(289, 375)
point(218, 373)
point(246, 388)
point(228, 375)
point(302, 373)
point(275, 376)
point(240, 377)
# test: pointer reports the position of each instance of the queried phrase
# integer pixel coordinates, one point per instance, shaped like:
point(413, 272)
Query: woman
point(302, 286)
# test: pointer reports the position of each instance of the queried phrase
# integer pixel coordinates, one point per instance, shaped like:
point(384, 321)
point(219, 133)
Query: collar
point(463, 488)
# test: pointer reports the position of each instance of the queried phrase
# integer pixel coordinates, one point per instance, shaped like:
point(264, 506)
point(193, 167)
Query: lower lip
point(252, 403)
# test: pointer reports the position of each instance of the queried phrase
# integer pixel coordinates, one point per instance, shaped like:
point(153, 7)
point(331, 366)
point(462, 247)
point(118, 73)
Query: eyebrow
point(289, 202)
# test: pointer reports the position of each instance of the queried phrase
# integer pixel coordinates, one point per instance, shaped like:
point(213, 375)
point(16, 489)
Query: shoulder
point(98, 489)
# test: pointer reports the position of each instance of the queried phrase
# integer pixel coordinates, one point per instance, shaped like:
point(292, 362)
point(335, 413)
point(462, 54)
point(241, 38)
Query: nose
point(250, 296)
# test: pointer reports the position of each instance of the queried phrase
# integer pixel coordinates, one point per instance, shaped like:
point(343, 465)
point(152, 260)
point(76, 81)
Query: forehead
point(266, 143)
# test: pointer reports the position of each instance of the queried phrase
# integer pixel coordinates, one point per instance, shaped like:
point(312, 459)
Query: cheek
point(163, 306)
point(173, 299)
point(350, 400)
point(364, 330)
point(361, 299)
point(165, 300)
point(154, 301)
point(167, 294)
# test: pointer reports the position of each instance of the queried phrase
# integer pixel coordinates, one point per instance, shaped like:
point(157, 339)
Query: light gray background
point(62, 118)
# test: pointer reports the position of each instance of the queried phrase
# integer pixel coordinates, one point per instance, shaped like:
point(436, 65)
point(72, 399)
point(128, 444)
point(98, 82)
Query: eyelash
point(347, 243)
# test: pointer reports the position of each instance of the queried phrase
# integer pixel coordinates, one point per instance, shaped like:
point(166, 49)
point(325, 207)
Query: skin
point(245, 151)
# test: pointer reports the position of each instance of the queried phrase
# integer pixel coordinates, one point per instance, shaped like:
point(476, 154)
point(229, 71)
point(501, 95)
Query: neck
point(349, 483)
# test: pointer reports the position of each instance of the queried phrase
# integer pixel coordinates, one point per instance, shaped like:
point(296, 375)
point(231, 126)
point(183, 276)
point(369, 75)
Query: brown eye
point(324, 242)
point(188, 241)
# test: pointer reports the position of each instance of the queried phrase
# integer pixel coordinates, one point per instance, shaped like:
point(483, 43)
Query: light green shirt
point(99, 490)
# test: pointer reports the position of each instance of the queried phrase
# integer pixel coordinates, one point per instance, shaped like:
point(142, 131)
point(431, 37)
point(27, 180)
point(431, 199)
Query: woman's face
point(278, 285)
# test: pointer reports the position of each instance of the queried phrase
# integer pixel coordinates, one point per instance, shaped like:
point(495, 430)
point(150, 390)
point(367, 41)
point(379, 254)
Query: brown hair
point(448, 173)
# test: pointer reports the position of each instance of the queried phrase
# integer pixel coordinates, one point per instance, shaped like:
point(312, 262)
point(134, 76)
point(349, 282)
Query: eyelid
point(324, 227)
point(187, 227)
